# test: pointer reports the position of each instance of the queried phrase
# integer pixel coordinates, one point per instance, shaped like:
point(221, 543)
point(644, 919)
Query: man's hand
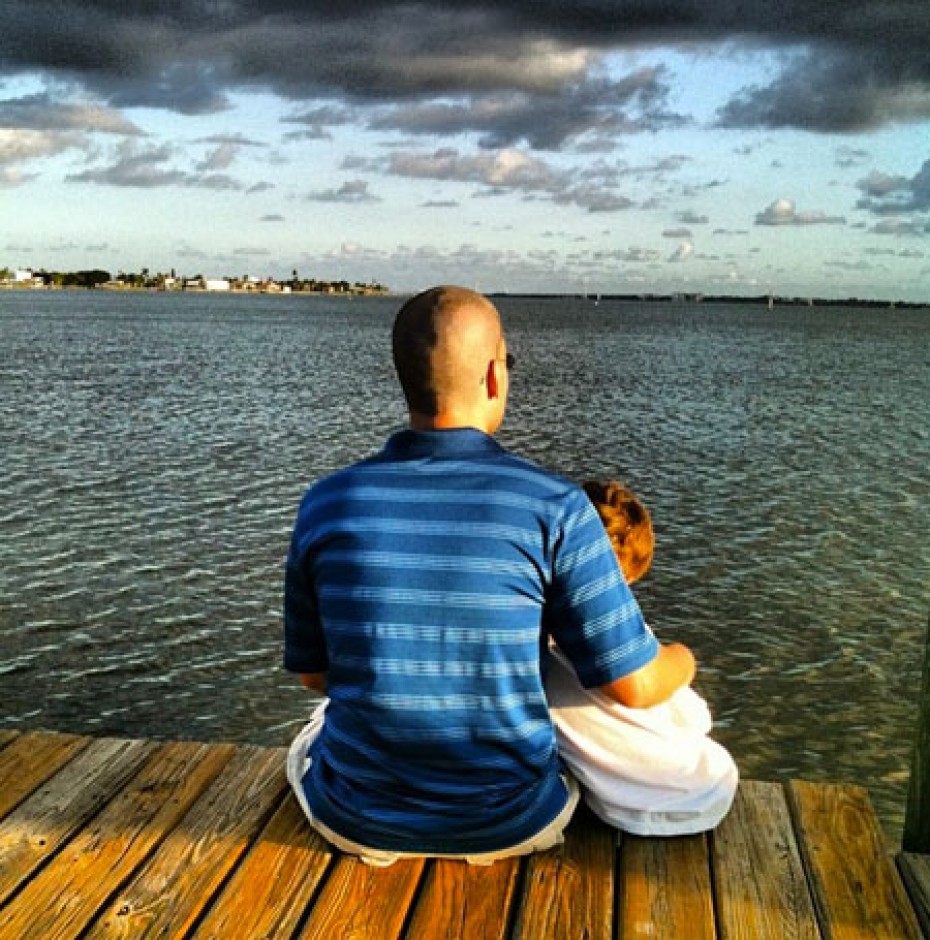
point(673, 668)
point(314, 682)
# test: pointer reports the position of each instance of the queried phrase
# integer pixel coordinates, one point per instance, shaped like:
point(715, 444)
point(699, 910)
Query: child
point(649, 771)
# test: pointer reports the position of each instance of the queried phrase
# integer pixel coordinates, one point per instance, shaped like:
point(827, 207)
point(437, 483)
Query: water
point(154, 448)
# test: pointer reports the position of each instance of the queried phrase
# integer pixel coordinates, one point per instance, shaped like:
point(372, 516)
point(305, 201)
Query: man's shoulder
point(534, 473)
point(497, 468)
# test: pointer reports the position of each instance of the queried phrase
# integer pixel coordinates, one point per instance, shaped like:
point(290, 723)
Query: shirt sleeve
point(593, 615)
point(304, 643)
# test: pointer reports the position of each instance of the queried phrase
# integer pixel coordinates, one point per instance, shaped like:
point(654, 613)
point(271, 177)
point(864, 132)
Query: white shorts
point(298, 762)
point(649, 771)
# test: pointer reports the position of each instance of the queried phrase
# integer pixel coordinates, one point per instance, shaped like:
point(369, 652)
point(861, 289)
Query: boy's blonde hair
point(628, 526)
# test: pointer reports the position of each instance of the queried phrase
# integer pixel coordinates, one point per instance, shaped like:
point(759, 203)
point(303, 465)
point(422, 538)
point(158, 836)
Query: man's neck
point(444, 422)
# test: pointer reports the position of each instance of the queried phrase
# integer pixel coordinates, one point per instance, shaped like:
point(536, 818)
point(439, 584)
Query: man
point(422, 586)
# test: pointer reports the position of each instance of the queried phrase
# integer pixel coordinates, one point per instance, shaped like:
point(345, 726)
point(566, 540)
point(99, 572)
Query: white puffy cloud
point(784, 212)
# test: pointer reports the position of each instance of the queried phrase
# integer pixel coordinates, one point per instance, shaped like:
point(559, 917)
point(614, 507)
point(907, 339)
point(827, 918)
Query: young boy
point(649, 771)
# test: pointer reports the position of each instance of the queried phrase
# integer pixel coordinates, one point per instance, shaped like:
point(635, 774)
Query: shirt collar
point(445, 443)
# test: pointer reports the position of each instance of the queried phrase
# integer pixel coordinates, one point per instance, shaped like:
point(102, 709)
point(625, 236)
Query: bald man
point(422, 587)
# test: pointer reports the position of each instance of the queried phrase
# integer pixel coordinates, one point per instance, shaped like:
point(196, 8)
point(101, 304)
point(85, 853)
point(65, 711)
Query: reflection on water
point(154, 449)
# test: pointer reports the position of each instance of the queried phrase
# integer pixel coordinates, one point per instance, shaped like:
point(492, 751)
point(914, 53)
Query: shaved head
point(443, 342)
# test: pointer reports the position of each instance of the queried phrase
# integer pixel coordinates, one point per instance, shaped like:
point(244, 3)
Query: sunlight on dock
point(112, 838)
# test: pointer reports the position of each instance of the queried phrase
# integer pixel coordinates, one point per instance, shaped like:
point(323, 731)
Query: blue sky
point(605, 147)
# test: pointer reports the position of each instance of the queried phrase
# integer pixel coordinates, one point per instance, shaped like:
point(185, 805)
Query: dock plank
point(44, 822)
point(275, 882)
point(30, 760)
point(569, 890)
point(169, 892)
point(759, 881)
point(360, 902)
point(915, 872)
point(460, 901)
point(667, 882)
point(856, 890)
point(65, 896)
point(133, 839)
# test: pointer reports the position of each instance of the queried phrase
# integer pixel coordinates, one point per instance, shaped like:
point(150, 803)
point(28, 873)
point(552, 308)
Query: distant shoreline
point(760, 299)
point(690, 299)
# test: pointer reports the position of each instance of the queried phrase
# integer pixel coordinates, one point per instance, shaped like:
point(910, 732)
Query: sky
point(717, 146)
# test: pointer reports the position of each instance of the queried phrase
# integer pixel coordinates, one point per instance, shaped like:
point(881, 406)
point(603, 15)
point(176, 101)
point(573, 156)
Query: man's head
point(451, 359)
point(628, 526)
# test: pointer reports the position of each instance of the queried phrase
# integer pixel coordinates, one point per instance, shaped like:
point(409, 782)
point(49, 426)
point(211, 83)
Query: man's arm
point(314, 682)
point(673, 668)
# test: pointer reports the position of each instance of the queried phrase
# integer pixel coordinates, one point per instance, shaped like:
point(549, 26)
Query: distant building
point(216, 283)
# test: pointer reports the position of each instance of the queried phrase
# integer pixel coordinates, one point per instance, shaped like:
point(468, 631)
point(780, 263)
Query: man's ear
point(493, 388)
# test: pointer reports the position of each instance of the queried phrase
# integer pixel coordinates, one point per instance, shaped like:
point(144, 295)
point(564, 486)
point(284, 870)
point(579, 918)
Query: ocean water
point(153, 449)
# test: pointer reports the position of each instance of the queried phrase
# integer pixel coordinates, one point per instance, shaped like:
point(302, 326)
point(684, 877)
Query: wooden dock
point(109, 838)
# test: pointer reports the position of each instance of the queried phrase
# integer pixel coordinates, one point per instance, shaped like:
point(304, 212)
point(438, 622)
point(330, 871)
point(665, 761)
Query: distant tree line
point(146, 280)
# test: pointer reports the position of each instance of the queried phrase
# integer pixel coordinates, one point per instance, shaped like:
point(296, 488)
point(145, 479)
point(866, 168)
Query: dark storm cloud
point(838, 90)
point(597, 108)
point(850, 64)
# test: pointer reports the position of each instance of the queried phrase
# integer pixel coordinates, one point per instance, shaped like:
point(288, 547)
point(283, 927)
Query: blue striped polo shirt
point(425, 581)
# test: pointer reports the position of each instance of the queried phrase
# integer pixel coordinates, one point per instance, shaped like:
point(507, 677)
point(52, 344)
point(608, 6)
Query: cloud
point(692, 218)
point(236, 140)
point(507, 168)
point(511, 170)
point(847, 157)
point(272, 217)
point(315, 123)
point(351, 192)
point(834, 90)
point(676, 233)
point(625, 256)
point(220, 158)
point(149, 168)
point(682, 252)
point(597, 108)
point(783, 212)
point(33, 127)
point(39, 112)
point(884, 194)
point(846, 64)
point(900, 227)
point(25, 146)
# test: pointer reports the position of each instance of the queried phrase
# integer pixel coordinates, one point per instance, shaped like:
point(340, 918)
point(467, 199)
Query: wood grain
point(667, 882)
point(43, 823)
point(30, 760)
point(175, 885)
point(359, 902)
point(64, 897)
point(856, 890)
point(107, 838)
point(275, 882)
point(461, 901)
point(761, 890)
point(569, 890)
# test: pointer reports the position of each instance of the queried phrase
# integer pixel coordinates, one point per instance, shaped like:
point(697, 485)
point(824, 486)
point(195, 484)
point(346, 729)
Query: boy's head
point(628, 526)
